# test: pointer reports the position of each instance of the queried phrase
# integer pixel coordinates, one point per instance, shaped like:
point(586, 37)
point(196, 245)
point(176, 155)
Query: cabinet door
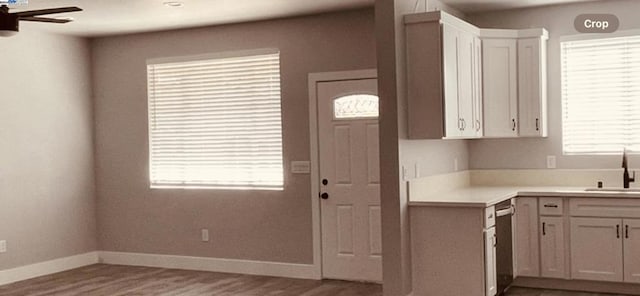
point(500, 93)
point(477, 87)
point(596, 249)
point(465, 83)
point(632, 250)
point(552, 247)
point(491, 283)
point(526, 237)
point(532, 90)
point(450, 47)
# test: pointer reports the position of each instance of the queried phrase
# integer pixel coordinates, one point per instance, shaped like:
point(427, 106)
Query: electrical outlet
point(416, 170)
point(3, 246)
point(205, 234)
point(551, 161)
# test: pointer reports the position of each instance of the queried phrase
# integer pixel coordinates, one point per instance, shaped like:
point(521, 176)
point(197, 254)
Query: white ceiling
point(111, 17)
point(476, 6)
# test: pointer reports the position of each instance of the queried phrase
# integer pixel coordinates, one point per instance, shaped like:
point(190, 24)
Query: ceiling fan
point(9, 20)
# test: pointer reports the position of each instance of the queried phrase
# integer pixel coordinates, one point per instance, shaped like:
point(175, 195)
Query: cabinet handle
point(513, 124)
point(544, 228)
point(550, 206)
point(478, 125)
point(537, 124)
point(495, 240)
point(464, 124)
point(459, 123)
point(626, 231)
point(617, 231)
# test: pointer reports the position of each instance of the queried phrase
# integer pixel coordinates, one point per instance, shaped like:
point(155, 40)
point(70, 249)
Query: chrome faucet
point(625, 176)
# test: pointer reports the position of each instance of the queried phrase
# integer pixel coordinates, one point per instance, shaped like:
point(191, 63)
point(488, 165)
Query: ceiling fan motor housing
point(9, 22)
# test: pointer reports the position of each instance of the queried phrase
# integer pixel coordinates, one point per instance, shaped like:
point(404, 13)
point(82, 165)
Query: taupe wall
point(47, 201)
point(254, 225)
point(532, 153)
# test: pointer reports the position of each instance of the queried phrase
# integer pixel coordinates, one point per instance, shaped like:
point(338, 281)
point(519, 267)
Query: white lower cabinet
point(491, 282)
point(631, 250)
point(596, 249)
point(552, 250)
point(527, 253)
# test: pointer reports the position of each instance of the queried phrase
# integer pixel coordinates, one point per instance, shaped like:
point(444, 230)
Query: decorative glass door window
point(356, 106)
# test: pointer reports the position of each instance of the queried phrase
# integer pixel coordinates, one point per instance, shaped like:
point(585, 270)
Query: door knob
point(325, 181)
point(324, 195)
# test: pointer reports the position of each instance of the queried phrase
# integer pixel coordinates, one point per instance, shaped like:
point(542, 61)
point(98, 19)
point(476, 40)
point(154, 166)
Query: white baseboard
point(48, 267)
point(264, 268)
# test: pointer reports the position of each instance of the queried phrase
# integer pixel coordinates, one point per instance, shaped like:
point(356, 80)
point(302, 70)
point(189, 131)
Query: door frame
point(314, 79)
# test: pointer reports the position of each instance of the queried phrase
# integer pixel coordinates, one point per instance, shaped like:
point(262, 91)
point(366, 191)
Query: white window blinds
point(601, 95)
point(215, 121)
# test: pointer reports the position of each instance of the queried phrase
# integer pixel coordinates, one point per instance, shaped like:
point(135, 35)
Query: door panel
point(500, 98)
point(491, 281)
point(632, 250)
point(552, 247)
point(596, 249)
point(349, 161)
point(526, 237)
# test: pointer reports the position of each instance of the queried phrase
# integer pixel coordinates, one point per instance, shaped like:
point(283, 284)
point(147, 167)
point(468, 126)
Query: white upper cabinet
point(459, 82)
point(500, 86)
point(532, 88)
point(515, 83)
point(443, 77)
point(464, 82)
point(478, 121)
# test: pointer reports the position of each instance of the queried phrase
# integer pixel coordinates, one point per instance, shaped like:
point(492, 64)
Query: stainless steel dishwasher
point(504, 245)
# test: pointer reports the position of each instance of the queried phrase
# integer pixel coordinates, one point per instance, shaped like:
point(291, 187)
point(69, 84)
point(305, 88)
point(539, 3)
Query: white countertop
point(485, 196)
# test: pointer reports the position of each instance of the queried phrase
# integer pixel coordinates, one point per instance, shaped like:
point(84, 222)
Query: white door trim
point(314, 79)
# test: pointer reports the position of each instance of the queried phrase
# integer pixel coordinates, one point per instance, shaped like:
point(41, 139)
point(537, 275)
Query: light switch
point(551, 161)
point(301, 167)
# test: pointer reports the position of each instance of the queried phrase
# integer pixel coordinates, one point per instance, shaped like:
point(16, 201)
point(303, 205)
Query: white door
point(631, 250)
point(552, 247)
point(500, 87)
point(491, 284)
point(350, 180)
point(596, 249)
point(526, 237)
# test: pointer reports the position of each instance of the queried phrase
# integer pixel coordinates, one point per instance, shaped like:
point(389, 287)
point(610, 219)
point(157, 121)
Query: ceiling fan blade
point(47, 11)
point(44, 19)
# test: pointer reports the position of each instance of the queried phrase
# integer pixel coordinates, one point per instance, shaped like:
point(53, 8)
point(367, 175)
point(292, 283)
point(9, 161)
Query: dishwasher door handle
point(504, 212)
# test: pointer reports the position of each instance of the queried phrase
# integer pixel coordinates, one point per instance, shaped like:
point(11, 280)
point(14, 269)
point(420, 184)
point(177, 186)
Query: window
point(355, 106)
point(601, 95)
point(215, 121)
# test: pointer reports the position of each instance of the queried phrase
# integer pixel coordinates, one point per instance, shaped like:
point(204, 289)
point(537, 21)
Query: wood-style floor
point(517, 291)
point(116, 280)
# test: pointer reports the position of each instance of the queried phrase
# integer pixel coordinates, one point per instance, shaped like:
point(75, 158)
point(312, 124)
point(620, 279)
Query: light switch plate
point(205, 234)
point(3, 246)
point(301, 167)
point(551, 161)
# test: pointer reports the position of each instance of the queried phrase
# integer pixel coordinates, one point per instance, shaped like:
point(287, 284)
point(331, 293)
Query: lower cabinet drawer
point(551, 206)
point(604, 207)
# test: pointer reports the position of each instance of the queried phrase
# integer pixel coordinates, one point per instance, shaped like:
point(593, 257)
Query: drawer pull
point(544, 231)
point(550, 206)
point(618, 231)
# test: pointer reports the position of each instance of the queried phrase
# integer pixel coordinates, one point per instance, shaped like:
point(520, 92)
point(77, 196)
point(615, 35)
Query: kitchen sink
point(628, 190)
